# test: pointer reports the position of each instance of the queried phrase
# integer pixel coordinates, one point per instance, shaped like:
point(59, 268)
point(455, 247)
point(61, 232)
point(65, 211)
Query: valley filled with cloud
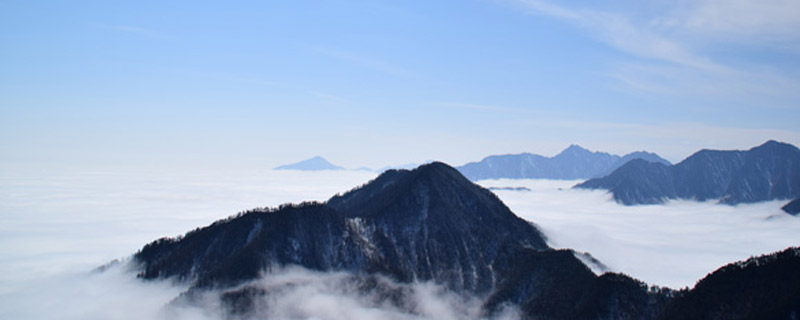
point(59, 228)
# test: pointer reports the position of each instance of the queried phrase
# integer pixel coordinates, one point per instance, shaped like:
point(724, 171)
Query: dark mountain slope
point(427, 224)
point(770, 171)
point(235, 250)
point(572, 163)
point(766, 287)
point(793, 207)
point(637, 182)
point(767, 172)
point(435, 224)
point(554, 285)
point(706, 174)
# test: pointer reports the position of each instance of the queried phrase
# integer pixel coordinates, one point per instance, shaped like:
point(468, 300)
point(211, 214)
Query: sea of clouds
point(59, 226)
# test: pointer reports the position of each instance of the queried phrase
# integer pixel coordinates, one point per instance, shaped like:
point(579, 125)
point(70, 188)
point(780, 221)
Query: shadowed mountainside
point(767, 172)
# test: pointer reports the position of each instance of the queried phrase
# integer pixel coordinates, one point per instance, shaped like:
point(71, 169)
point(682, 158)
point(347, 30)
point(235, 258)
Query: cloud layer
point(59, 227)
point(671, 245)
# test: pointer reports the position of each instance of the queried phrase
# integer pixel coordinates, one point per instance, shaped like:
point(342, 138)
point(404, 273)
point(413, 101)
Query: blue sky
point(374, 83)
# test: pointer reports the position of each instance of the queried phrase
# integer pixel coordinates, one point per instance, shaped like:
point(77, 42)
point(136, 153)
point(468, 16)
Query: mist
point(298, 293)
point(59, 226)
point(673, 245)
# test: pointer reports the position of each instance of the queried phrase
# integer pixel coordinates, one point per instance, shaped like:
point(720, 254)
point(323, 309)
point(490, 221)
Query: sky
point(377, 83)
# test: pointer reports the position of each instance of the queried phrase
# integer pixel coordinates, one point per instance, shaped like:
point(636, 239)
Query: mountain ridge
point(572, 163)
point(766, 172)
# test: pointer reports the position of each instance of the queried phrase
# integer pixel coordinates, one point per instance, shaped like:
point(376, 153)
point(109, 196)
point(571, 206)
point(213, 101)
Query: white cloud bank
point(57, 227)
point(671, 245)
point(297, 293)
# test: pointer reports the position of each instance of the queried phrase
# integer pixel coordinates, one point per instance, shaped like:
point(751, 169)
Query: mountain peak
point(574, 162)
point(430, 223)
point(437, 168)
point(573, 149)
point(766, 172)
point(775, 145)
point(316, 163)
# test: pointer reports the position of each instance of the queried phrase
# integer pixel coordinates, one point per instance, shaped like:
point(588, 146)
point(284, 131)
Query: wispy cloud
point(744, 20)
point(624, 34)
point(677, 52)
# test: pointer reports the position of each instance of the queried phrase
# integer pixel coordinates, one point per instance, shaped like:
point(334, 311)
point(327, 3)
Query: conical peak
point(572, 150)
point(393, 183)
point(437, 167)
point(435, 171)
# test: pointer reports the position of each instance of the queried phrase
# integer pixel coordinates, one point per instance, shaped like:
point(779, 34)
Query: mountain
point(554, 285)
point(432, 224)
point(314, 164)
point(572, 163)
point(766, 172)
point(765, 287)
point(793, 207)
point(427, 224)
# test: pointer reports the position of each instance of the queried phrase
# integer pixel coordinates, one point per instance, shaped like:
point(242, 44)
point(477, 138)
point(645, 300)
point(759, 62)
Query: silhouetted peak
point(313, 164)
point(573, 149)
point(773, 145)
point(391, 185)
point(439, 169)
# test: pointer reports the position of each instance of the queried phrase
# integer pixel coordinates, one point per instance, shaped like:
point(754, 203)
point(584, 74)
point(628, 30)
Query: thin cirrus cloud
point(678, 52)
point(751, 21)
point(624, 34)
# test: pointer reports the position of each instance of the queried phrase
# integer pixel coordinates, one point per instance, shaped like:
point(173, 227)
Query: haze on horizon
point(378, 83)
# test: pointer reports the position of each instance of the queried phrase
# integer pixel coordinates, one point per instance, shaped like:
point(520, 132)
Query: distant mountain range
point(571, 164)
point(314, 164)
point(768, 172)
point(432, 224)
